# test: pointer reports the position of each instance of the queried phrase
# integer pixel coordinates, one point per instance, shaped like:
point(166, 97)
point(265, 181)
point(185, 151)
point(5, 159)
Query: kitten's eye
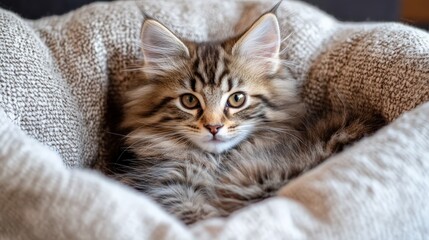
point(189, 101)
point(236, 100)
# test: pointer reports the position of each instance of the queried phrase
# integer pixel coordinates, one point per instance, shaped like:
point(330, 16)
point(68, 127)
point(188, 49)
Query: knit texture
point(62, 78)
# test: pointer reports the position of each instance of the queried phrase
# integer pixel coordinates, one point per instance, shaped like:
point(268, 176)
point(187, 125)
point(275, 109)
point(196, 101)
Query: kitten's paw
point(247, 184)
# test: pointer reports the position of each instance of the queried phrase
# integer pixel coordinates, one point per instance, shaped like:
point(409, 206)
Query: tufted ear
point(160, 46)
point(261, 43)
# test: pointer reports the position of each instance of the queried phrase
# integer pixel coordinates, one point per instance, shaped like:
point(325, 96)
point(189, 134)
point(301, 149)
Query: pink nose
point(213, 128)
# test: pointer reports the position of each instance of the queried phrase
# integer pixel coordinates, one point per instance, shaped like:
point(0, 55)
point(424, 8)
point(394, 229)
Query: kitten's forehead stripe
point(197, 74)
point(222, 76)
point(211, 65)
point(211, 55)
point(201, 69)
point(222, 70)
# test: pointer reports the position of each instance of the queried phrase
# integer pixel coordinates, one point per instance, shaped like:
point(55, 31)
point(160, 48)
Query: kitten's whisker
point(287, 37)
point(116, 134)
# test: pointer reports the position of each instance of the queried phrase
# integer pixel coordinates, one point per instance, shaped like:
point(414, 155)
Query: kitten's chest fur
point(219, 183)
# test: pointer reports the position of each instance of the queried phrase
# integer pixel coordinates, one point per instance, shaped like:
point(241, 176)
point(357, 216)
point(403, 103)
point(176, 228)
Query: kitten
point(216, 126)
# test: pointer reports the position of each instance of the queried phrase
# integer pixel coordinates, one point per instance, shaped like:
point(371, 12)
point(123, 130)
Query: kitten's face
point(214, 115)
point(209, 96)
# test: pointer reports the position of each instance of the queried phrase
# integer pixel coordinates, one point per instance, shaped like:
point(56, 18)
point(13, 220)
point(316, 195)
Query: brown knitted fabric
point(381, 68)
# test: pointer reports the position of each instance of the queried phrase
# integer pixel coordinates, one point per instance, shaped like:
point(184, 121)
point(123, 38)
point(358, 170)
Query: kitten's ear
point(160, 45)
point(261, 43)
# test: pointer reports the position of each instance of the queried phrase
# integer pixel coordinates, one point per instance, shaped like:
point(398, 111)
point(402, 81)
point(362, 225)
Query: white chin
point(218, 146)
point(215, 147)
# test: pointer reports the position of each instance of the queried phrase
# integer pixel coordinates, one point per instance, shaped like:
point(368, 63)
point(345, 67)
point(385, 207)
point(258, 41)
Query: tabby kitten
point(216, 126)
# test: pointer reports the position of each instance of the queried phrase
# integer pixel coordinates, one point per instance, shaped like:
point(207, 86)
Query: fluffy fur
point(196, 172)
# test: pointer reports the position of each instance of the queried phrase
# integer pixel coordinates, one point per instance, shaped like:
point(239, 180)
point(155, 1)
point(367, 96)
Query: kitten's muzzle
point(213, 129)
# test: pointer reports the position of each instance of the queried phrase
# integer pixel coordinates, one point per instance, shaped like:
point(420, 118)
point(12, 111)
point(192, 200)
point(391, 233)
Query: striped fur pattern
point(199, 153)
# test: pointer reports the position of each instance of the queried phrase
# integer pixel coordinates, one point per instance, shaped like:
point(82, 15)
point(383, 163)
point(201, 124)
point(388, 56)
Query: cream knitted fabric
point(61, 79)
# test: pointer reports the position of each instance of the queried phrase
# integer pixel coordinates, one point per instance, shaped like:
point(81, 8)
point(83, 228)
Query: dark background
point(40, 8)
point(346, 10)
point(361, 10)
point(352, 10)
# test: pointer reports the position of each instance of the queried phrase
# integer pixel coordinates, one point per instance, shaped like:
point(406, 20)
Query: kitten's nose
point(213, 128)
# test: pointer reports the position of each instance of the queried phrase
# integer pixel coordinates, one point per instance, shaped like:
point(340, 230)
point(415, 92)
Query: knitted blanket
point(61, 78)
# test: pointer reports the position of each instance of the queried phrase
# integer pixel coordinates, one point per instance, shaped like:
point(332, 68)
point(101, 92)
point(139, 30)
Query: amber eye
point(189, 101)
point(236, 100)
